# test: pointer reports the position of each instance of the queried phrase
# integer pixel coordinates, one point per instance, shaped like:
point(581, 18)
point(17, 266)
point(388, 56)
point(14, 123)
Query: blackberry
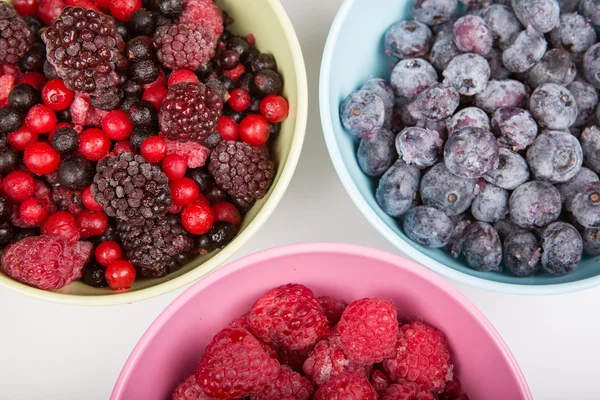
point(10, 119)
point(17, 38)
point(65, 140)
point(142, 22)
point(83, 45)
point(157, 247)
point(145, 71)
point(241, 170)
point(23, 97)
point(138, 49)
point(184, 46)
point(130, 188)
point(33, 60)
point(190, 111)
point(75, 173)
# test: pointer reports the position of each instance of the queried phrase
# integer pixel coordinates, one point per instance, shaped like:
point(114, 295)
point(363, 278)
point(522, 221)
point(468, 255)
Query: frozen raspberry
point(235, 364)
point(288, 316)
point(293, 358)
point(346, 386)
point(205, 13)
point(368, 330)
point(333, 309)
point(380, 381)
point(46, 262)
point(189, 390)
point(16, 38)
point(422, 356)
point(407, 391)
point(7, 83)
point(194, 153)
point(83, 113)
point(288, 383)
point(184, 46)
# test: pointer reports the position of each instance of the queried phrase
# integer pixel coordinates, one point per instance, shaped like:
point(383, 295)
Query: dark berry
point(428, 226)
point(542, 15)
point(204, 71)
point(245, 81)
point(22, 97)
point(234, 115)
point(229, 59)
point(238, 44)
point(263, 61)
point(512, 170)
point(6, 209)
point(468, 74)
point(411, 76)
point(555, 156)
point(472, 35)
point(137, 137)
point(491, 203)
point(145, 71)
point(132, 88)
point(33, 60)
point(471, 152)
point(445, 191)
point(64, 115)
point(481, 247)
point(363, 114)
point(128, 101)
point(138, 50)
point(49, 70)
point(433, 12)
point(590, 143)
point(375, 156)
point(397, 188)
point(526, 49)
point(586, 97)
point(9, 158)
point(249, 56)
point(65, 140)
point(10, 119)
point(522, 254)
point(555, 67)
point(501, 93)
point(203, 245)
point(562, 248)
point(228, 83)
point(274, 131)
point(586, 205)
point(437, 102)
point(534, 204)
point(143, 114)
point(591, 241)
point(142, 22)
point(502, 22)
point(221, 234)
point(215, 194)
point(123, 30)
point(515, 128)
point(243, 205)
point(575, 34)
point(169, 8)
point(75, 173)
point(267, 82)
point(408, 39)
point(7, 233)
point(93, 275)
point(202, 177)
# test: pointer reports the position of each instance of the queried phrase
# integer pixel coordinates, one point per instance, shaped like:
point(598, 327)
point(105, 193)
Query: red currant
point(104, 5)
point(116, 125)
point(202, 199)
point(239, 100)
point(225, 211)
point(250, 39)
point(197, 218)
point(228, 128)
point(120, 274)
point(22, 138)
point(122, 147)
point(108, 252)
point(184, 191)
point(26, 8)
point(33, 211)
point(124, 9)
point(61, 223)
point(254, 130)
point(41, 158)
point(91, 223)
point(155, 95)
point(18, 186)
point(56, 95)
point(40, 119)
point(154, 149)
point(236, 72)
point(174, 166)
point(34, 79)
point(275, 108)
point(182, 75)
point(93, 144)
point(88, 200)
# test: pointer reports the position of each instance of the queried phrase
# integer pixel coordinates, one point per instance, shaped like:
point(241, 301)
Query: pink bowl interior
point(172, 346)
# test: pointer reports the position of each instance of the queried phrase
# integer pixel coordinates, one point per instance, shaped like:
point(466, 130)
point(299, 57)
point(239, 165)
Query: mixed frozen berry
point(133, 137)
point(496, 129)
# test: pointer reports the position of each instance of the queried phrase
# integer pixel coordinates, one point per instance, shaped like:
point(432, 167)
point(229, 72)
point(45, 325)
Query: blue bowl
point(353, 54)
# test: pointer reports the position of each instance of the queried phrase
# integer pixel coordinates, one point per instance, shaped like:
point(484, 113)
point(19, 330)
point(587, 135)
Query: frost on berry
point(189, 390)
point(288, 383)
point(203, 12)
point(333, 308)
point(407, 391)
point(346, 386)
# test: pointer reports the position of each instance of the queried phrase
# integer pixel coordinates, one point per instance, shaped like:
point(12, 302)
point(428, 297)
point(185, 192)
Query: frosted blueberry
point(397, 188)
point(481, 247)
point(375, 156)
point(512, 170)
point(445, 191)
point(418, 146)
point(468, 74)
point(562, 248)
point(428, 226)
point(555, 156)
point(491, 204)
point(362, 114)
point(534, 204)
point(408, 39)
point(411, 76)
point(522, 254)
point(471, 152)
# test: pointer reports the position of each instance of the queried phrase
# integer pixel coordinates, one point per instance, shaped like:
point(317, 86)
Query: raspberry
point(205, 13)
point(16, 38)
point(328, 359)
point(380, 381)
point(182, 75)
point(194, 153)
point(235, 364)
point(289, 316)
point(368, 330)
point(189, 390)
point(61, 224)
point(346, 386)
point(83, 113)
point(333, 309)
point(288, 383)
point(184, 46)
point(191, 111)
point(45, 262)
point(422, 356)
point(243, 171)
point(407, 391)
point(293, 358)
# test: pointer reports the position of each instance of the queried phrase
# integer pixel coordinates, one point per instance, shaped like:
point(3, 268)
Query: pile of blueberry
point(486, 135)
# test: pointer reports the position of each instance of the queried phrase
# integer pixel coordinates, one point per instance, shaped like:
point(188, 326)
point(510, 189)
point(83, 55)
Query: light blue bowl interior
point(353, 54)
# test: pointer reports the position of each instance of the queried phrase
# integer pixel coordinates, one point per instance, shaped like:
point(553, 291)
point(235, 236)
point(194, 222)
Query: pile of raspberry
point(292, 345)
point(133, 137)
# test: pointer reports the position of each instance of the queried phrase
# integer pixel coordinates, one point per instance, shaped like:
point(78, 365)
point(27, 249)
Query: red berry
point(288, 385)
point(154, 149)
point(202, 199)
point(174, 166)
point(155, 95)
point(275, 108)
point(108, 252)
point(18, 186)
point(239, 100)
point(236, 72)
point(61, 223)
point(184, 191)
point(124, 9)
point(254, 130)
point(228, 128)
point(93, 144)
point(26, 8)
point(250, 39)
point(182, 75)
point(197, 218)
point(116, 125)
point(162, 78)
point(348, 386)
point(34, 79)
point(227, 212)
point(88, 200)
point(91, 223)
point(22, 138)
point(33, 211)
point(56, 95)
point(40, 119)
point(41, 158)
point(408, 391)
point(104, 5)
point(120, 275)
point(333, 309)
point(122, 147)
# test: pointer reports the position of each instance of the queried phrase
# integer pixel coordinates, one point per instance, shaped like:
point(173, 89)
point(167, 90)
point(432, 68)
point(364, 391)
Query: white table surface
point(50, 351)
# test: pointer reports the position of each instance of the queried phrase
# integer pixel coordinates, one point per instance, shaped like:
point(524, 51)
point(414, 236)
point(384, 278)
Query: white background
point(50, 351)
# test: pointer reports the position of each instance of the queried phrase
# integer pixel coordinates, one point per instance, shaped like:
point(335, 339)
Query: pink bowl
point(172, 346)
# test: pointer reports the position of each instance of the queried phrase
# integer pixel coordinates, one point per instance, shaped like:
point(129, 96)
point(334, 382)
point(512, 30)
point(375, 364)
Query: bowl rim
point(329, 248)
point(358, 199)
point(261, 217)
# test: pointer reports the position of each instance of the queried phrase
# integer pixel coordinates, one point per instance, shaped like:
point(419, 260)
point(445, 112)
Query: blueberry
point(375, 156)
point(468, 117)
point(419, 146)
point(65, 140)
point(383, 89)
point(555, 67)
point(432, 125)
point(534, 204)
point(574, 34)
point(428, 226)
point(497, 69)
point(522, 254)
point(362, 114)
point(586, 205)
point(437, 102)
point(502, 22)
point(433, 12)
point(443, 51)
point(401, 117)
point(506, 227)
point(591, 241)
point(570, 188)
point(142, 22)
point(397, 188)
point(472, 35)
point(23, 97)
point(445, 191)
point(468, 74)
point(7, 234)
point(514, 127)
point(202, 177)
point(553, 106)
point(562, 248)
point(471, 152)
point(512, 170)
point(555, 156)
point(503, 93)
point(10, 119)
point(411, 76)
point(481, 247)
point(93, 275)
point(9, 158)
point(586, 97)
point(568, 6)
point(591, 65)
point(491, 204)
point(591, 10)
point(526, 49)
point(75, 173)
point(542, 15)
point(408, 39)
point(460, 222)
point(590, 143)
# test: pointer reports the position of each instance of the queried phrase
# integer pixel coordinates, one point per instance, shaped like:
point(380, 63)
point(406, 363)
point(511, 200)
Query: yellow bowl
point(274, 33)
